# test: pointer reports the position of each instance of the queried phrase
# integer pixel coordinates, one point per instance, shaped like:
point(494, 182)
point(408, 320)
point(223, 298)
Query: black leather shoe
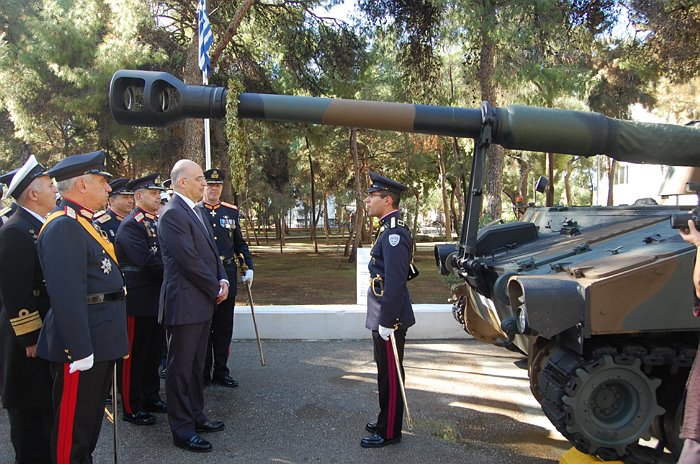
point(159, 406)
point(140, 418)
point(226, 381)
point(371, 427)
point(195, 443)
point(209, 426)
point(377, 441)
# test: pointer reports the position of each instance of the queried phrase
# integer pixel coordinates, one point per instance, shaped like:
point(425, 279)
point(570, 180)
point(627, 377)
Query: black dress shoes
point(226, 381)
point(159, 406)
point(209, 426)
point(371, 427)
point(140, 418)
point(377, 441)
point(195, 443)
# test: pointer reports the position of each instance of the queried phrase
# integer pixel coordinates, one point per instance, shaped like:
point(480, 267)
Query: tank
point(599, 299)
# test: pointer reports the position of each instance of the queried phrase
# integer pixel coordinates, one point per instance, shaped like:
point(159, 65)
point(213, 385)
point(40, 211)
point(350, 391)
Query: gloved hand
point(81, 364)
point(248, 276)
point(385, 332)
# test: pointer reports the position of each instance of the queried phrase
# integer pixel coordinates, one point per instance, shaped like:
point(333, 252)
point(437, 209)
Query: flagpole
point(205, 80)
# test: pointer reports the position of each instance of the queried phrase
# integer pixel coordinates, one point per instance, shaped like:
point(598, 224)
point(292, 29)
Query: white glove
point(248, 276)
point(385, 332)
point(81, 364)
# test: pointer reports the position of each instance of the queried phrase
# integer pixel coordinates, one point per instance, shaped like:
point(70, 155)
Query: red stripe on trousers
point(391, 413)
point(126, 366)
point(66, 415)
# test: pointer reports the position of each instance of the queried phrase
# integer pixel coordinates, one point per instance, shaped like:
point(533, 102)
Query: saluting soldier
point(388, 305)
point(121, 203)
point(85, 330)
point(6, 212)
point(225, 223)
point(26, 385)
point(137, 249)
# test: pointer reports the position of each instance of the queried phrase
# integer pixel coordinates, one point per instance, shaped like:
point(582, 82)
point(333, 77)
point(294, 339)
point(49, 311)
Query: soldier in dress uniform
point(5, 213)
point(120, 204)
point(26, 385)
point(224, 220)
point(389, 307)
point(84, 332)
point(137, 249)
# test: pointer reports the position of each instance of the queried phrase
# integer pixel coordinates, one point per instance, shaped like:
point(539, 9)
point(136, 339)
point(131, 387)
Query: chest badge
point(213, 213)
point(394, 239)
point(154, 249)
point(106, 266)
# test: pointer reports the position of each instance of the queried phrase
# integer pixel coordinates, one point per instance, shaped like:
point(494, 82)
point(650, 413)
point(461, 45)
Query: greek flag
point(205, 38)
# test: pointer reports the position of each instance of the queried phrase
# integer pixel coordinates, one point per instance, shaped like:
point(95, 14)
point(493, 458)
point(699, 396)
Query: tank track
point(632, 366)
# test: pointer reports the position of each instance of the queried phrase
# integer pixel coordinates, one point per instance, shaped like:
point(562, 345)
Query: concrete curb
point(338, 322)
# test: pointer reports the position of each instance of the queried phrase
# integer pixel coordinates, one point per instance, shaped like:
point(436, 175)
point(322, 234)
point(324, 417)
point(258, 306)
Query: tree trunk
point(326, 227)
point(485, 73)
point(231, 31)
point(359, 205)
point(192, 146)
point(445, 201)
point(524, 185)
point(612, 166)
point(567, 181)
point(313, 197)
point(549, 196)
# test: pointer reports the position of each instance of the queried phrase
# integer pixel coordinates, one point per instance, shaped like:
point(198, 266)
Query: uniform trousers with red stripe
point(78, 401)
point(390, 417)
point(139, 372)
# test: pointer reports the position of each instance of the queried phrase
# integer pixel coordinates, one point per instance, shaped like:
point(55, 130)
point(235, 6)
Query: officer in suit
point(26, 389)
point(5, 213)
point(194, 282)
point(388, 305)
point(139, 257)
point(120, 204)
point(224, 221)
point(84, 332)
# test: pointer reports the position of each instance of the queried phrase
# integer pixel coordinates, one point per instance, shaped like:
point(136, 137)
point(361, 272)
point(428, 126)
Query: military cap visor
point(119, 187)
point(24, 176)
point(380, 183)
point(78, 165)
point(214, 176)
point(149, 182)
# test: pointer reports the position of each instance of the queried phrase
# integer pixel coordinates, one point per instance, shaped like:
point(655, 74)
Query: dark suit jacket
point(191, 264)
point(23, 381)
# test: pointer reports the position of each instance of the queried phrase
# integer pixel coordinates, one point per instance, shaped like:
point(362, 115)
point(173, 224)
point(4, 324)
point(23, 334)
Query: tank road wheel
point(609, 404)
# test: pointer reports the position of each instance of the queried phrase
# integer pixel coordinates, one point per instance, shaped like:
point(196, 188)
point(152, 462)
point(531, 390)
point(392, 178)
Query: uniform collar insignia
point(86, 213)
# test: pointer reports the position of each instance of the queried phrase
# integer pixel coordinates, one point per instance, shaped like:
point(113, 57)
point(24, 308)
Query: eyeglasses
point(196, 179)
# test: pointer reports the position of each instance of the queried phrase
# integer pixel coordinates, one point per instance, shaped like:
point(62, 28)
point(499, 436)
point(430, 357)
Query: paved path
point(470, 403)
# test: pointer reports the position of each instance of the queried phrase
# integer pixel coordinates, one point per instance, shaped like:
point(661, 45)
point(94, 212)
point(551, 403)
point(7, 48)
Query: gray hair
point(65, 186)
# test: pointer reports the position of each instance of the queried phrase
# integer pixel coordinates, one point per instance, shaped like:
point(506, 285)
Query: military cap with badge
point(24, 176)
point(149, 182)
point(6, 179)
point(119, 187)
point(79, 165)
point(214, 176)
point(380, 183)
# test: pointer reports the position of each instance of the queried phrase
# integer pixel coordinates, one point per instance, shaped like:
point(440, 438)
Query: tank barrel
point(148, 98)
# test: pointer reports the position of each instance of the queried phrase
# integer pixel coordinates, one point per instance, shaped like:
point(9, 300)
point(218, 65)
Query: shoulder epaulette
point(150, 216)
point(70, 212)
point(138, 217)
point(102, 218)
point(230, 205)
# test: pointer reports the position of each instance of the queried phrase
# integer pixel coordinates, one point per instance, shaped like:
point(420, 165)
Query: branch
point(231, 31)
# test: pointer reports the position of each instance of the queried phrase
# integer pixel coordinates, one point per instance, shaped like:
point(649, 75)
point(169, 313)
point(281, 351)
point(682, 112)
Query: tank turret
point(599, 299)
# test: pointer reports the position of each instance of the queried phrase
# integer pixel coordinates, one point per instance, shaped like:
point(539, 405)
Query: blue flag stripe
point(206, 39)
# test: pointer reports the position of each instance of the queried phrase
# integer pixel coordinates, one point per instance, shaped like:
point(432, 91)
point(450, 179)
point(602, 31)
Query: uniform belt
point(226, 261)
point(133, 269)
point(96, 298)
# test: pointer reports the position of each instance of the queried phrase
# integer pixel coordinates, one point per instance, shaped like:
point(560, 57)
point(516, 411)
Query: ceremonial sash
point(104, 243)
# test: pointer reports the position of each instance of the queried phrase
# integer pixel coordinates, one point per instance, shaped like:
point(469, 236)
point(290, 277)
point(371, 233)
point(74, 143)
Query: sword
point(255, 324)
point(409, 421)
point(112, 416)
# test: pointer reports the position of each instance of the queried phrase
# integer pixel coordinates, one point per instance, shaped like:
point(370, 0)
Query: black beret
point(24, 176)
point(148, 182)
point(382, 183)
point(214, 176)
point(119, 187)
point(78, 165)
